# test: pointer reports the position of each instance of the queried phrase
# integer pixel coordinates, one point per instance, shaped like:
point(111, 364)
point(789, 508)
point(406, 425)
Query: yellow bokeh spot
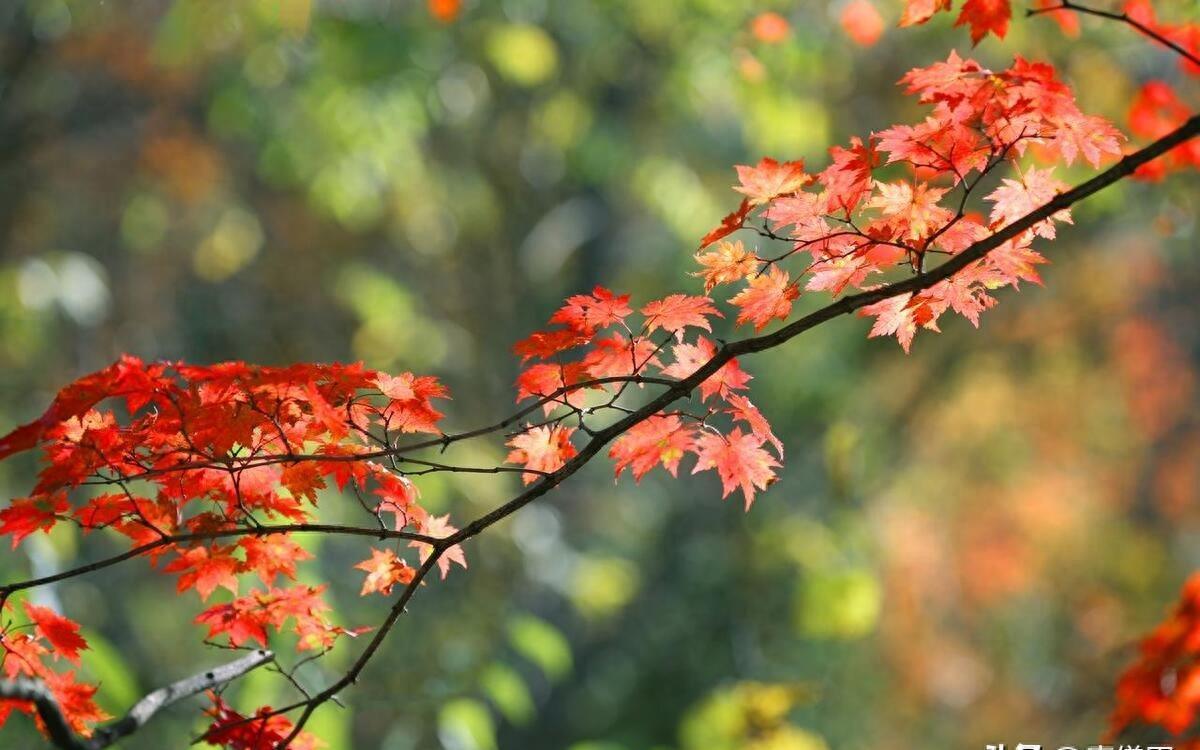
point(602, 586)
point(750, 716)
point(563, 119)
point(523, 53)
point(788, 126)
point(233, 243)
point(839, 604)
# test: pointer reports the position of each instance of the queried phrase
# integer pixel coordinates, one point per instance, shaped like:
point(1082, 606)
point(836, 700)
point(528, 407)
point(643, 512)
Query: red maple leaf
point(439, 527)
point(730, 261)
point(127, 377)
point(76, 700)
point(848, 176)
point(1156, 111)
point(616, 356)
point(272, 555)
point(920, 11)
point(1160, 687)
point(893, 316)
point(205, 569)
point(747, 412)
point(542, 449)
point(1016, 198)
point(237, 620)
point(677, 311)
point(587, 313)
point(27, 515)
point(409, 387)
point(545, 344)
point(263, 731)
point(985, 16)
point(740, 462)
point(770, 179)
point(690, 357)
point(302, 479)
point(766, 297)
point(542, 379)
point(728, 225)
point(61, 632)
point(658, 440)
point(384, 570)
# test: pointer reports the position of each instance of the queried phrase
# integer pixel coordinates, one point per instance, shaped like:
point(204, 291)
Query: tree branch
point(61, 734)
point(975, 252)
point(442, 442)
point(1124, 18)
point(675, 390)
point(682, 388)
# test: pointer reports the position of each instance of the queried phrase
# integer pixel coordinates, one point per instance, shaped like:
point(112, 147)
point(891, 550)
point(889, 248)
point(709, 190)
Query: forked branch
point(61, 734)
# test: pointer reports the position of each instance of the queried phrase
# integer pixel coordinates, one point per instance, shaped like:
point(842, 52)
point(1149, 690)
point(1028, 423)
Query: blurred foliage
point(964, 542)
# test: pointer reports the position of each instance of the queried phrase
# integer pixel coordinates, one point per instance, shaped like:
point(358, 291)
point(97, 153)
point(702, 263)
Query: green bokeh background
point(964, 544)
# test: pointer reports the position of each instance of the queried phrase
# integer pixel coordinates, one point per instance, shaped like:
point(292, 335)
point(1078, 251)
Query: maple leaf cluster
point(855, 223)
point(32, 651)
point(985, 17)
point(1162, 687)
point(597, 347)
point(263, 731)
point(982, 17)
point(207, 470)
point(1155, 111)
point(192, 463)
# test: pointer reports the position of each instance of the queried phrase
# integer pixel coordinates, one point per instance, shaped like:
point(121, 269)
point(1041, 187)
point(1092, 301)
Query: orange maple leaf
point(769, 179)
point(384, 570)
point(766, 297)
point(658, 440)
point(740, 462)
point(730, 261)
point(542, 449)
